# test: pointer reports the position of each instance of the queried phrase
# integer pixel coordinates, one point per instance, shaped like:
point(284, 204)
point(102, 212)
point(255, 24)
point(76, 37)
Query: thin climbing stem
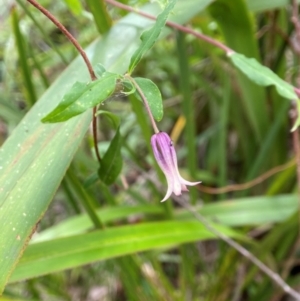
point(67, 34)
point(84, 57)
point(145, 101)
point(174, 25)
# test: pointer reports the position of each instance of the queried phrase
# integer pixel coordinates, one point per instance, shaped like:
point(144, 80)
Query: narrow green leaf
point(153, 96)
point(249, 211)
point(149, 37)
point(64, 253)
point(25, 68)
point(74, 6)
point(231, 15)
point(38, 25)
point(82, 223)
point(297, 122)
point(262, 75)
point(113, 118)
point(101, 16)
point(82, 97)
point(86, 200)
point(188, 108)
point(111, 164)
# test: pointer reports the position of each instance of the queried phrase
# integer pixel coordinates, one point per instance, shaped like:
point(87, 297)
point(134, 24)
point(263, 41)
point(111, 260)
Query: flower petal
point(169, 192)
point(166, 158)
point(185, 182)
point(184, 188)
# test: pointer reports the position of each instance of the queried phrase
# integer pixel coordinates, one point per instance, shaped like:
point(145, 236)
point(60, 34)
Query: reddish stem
point(174, 25)
point(83, 55)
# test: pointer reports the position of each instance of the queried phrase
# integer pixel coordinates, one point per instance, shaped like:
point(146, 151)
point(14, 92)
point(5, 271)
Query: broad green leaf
point(111, 163)
point(34, 159)
point(152, 95)
point(65, 253)
point(82, 97)
point(262, 75)
point(149, 37)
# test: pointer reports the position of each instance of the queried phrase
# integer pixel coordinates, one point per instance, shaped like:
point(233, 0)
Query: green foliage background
point(66, 235)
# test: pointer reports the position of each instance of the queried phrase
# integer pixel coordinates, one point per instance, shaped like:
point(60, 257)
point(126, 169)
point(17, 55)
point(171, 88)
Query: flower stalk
point(145, 102)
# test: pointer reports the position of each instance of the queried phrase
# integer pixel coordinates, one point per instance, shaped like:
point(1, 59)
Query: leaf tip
point(45, 119)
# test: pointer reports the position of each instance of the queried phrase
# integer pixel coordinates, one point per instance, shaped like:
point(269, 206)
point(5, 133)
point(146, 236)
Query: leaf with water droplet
point(83, 96)
point(153, 96)
point(262, 75)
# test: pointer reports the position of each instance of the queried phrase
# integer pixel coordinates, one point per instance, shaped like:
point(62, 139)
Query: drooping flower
point(166, 158)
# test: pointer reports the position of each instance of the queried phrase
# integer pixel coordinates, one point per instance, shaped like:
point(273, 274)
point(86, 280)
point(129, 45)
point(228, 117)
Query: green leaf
point(129, 88)
point(82, 97)
point(231, 15)
point(111, 163)
point(152, 95)
point(149, 37)
point(250, 211)
point(101, 16)
point(113, 118)
point(82, 223)
point(74, 6)
point(26, 70)
point(65, 253)
point(262, 75)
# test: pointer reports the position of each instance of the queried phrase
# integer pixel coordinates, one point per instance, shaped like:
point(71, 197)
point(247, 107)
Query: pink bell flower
point(166, 158)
